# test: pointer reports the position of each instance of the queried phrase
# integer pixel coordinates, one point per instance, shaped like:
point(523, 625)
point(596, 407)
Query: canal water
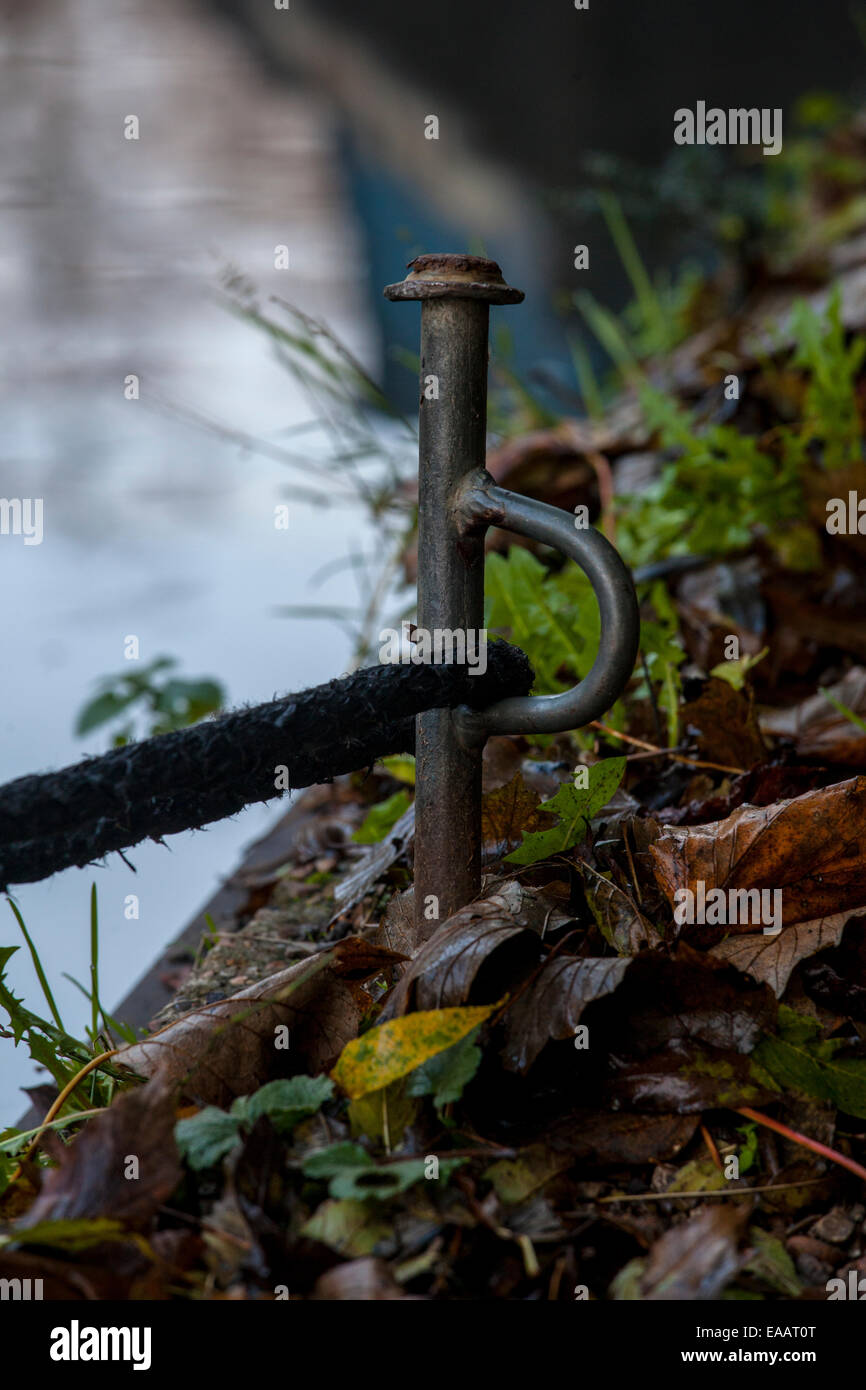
point(111, 250)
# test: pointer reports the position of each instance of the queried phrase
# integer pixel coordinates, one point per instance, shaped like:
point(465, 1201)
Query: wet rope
point(185, 780)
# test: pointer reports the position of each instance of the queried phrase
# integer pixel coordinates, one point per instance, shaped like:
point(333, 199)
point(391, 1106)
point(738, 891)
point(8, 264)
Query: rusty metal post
point(456, 293)
point(457, 501)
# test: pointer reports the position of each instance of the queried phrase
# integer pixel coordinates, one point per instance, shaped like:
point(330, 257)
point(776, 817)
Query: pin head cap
point(454, 276)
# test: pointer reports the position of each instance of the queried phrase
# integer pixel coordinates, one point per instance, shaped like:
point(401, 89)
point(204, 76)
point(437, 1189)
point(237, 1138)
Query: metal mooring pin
point(457, 501)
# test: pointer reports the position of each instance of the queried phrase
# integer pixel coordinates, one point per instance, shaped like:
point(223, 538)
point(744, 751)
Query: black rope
point(184, 780)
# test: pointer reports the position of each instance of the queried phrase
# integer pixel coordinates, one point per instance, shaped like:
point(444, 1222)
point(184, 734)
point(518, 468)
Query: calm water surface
point(110, 251)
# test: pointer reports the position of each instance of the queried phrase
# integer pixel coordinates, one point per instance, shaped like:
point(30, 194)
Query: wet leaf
point(688, 1081)
point(659, 1001)
point(70, 1235)
point(93, 1277)
point(384, 1115)
point(397, 929)
point(94, 1178)
point(619, 919)
point(576, 807)
point(699, 1175)
point(690, 998)
point(598, 1137)
point(771, 1264)
point(798, 1059)
point(836, 979)
point(725, 719)
point(353, 1174)
point(223, 1050)
point(510, 812)
point(205, 1138)
point(363, 1280)
point(771, 959)
point(515, 1179)
point(626, 1286)
point(396, 1047)
point(819, 727)
point(485, 943)
point(611, 1137)
point(550, 1008)
point(808, 847)
point(346, 1226)
point(381, 819)
point(695, 1260)
point(284, 1102)
point(444, 1076)
point(336, 1158)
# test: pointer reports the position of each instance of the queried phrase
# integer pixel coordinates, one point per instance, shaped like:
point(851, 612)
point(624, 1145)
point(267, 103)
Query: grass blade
point(94, 965)
point(37, 966)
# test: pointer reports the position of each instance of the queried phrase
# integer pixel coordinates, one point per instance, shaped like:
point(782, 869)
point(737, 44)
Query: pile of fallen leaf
point(568, 1089)
point(540, 1100)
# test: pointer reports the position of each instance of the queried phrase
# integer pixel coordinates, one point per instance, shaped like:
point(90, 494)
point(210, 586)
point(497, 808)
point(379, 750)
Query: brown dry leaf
point(727, 724)
point(660, 1002)
point(835, 980)
point(771, 959)
point(95, 1280)
point(596, 1136)
point(540, 459)
point(814, 623)
point(500, 760)
point(690, 998)
point(819, 730)
point(227, 1049)
point(619, 919)
point(485, 943)
point(92, 1181)
point(536, 908)
point(606, 1137)
point(697, 1259)
point(397, 931)
point(763, 786)
point(809, 847)
point(550, 1008)
point(510, 812)
point(360, 1280)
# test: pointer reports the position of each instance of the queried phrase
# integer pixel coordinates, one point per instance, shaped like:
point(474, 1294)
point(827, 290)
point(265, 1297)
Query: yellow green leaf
point(402, 767)
point(394, 1048)
point(347, 1227)
point(383, 1115)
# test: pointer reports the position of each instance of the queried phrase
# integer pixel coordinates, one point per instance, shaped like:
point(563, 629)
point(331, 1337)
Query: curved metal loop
point(620, 623)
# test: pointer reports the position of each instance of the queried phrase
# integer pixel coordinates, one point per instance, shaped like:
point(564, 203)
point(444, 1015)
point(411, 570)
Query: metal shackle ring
point(480, 503)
